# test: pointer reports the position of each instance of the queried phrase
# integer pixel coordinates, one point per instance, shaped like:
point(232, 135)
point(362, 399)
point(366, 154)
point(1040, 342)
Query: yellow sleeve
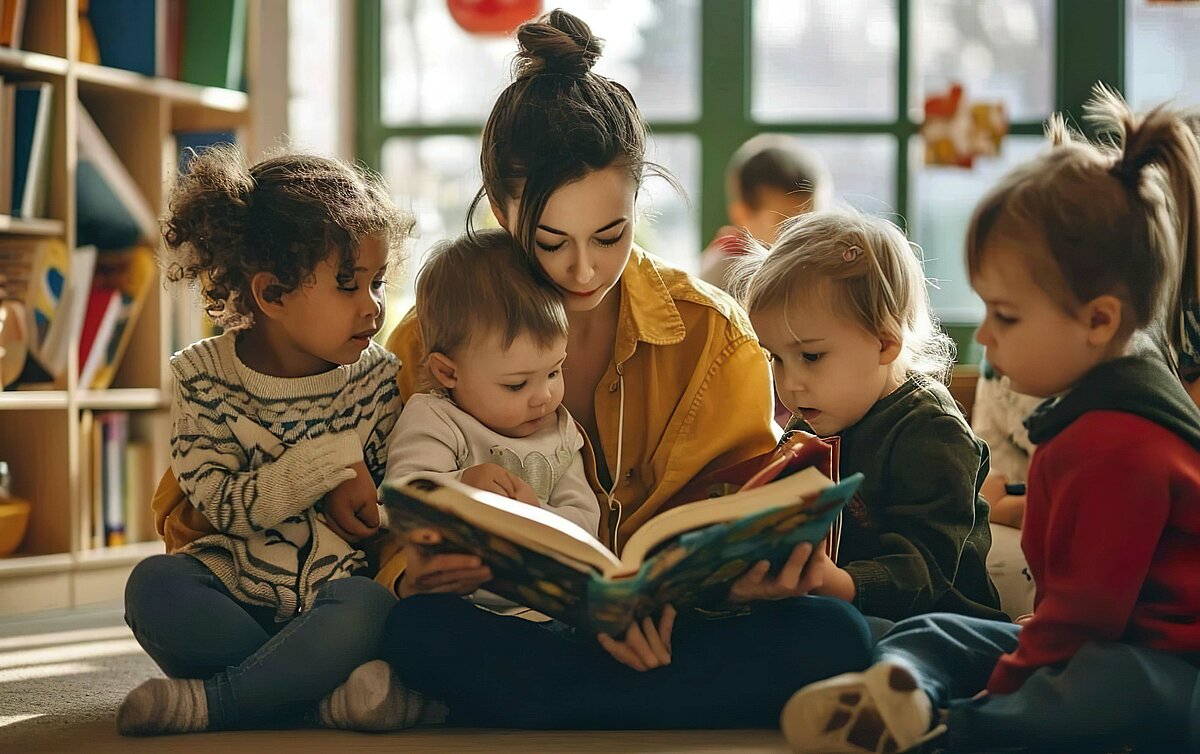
point(405, 341)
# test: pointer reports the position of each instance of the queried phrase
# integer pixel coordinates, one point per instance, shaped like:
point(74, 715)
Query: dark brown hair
point(284, 215)
point(482, 283)
point(1119, 217)
point(556, 122)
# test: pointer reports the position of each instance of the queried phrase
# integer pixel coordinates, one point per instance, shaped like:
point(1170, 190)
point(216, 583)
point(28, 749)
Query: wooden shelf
point(21, 61)
point(41, 226)
point(178, 92)
point(48, 432)
point(123, 399)
point(105, 557)
point(32, 400)
point(21, 565)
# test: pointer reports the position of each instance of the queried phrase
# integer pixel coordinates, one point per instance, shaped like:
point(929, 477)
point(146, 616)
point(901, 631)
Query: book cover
point(125, 33)
point(99, 320)
point(688, 557)
point(214, 43)
point(132, 274)
point(115, 439)
point(68, 320)
point(31, 141)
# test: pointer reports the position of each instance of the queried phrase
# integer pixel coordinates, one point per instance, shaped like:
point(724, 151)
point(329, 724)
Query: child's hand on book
point(646, 646)
point(352, 508)
point(491, 477)
point(428, 572)
point(800, 575)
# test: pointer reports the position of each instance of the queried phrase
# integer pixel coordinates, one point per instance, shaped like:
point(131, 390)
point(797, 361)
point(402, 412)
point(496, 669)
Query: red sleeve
point(1099, 503)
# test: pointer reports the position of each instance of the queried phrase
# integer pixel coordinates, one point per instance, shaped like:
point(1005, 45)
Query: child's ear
point(889, 350)
point(444, 370)
point(1102, 315)
point(268, 294)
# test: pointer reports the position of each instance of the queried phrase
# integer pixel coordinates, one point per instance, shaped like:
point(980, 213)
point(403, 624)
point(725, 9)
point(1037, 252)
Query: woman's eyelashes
point(606, 242)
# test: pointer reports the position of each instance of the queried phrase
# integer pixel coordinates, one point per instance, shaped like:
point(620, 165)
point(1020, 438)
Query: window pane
point(667, 225)
point(943, 199)
point(314, 29)
point(1163, 53)
point(998, 49)
point(435, 178)
point(863, 169)
point(434, 72)
point(823, 60)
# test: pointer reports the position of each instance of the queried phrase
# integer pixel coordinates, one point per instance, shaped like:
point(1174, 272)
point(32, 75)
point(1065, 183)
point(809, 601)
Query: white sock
point(164, 705)
point(372, 699)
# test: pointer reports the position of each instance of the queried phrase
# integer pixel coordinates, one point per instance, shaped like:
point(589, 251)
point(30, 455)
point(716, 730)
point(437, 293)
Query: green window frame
point(1089, 47)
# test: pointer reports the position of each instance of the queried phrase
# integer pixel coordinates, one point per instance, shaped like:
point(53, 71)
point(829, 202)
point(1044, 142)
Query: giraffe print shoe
point(879, 711)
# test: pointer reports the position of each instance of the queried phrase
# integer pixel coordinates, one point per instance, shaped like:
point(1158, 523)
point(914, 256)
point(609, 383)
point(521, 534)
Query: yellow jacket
point(696, 390)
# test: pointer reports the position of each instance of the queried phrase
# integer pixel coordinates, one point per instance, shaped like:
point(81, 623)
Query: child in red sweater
point(1077, 255)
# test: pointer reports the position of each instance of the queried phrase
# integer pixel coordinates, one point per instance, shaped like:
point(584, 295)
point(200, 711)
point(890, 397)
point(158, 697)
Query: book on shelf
point(12, 22)
point(8, 103)
point(124, 31)
point(114, 439)
point(32, 102)
point(688, 556)
point(214, 43)
point(121, 284)
point(111, 211)
point(68, 317)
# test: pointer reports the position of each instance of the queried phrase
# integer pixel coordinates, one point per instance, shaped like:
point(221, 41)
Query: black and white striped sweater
point(256, 453)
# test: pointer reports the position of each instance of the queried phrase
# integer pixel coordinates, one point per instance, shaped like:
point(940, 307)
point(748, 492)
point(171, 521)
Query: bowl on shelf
point(14, 518)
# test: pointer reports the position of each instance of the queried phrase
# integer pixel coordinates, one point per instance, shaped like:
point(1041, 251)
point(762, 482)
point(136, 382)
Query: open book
point(688, 556)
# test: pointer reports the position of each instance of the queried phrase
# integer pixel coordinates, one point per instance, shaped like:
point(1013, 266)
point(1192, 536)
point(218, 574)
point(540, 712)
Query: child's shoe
point(164, 705)
point(372, 699)
point(882, 711)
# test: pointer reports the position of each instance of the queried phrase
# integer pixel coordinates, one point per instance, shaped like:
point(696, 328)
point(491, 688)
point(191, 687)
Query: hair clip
point(850, 254)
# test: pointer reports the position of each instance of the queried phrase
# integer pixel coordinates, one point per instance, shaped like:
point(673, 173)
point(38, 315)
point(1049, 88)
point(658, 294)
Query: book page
point(788, 491)
point(525, 525)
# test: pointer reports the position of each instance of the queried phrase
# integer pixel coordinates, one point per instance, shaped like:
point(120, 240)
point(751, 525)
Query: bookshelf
point(43, 432)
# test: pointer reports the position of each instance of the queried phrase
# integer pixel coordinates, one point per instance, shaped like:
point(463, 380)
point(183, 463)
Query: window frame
point(1089, 47)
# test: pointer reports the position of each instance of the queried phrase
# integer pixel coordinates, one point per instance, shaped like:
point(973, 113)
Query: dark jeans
point(1107, 693)
point(255, 670)
point(498, 671)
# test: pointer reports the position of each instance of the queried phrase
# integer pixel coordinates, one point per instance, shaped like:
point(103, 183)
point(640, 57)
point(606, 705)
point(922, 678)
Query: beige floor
point(63, 674)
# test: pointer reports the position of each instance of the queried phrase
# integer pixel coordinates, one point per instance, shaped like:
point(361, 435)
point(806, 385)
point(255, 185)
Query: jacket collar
point(648, 312)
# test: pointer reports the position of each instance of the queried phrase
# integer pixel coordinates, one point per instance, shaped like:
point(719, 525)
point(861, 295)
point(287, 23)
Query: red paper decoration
point(492, 16)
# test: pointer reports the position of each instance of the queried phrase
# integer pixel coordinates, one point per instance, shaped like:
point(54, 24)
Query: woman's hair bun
point(556, 43)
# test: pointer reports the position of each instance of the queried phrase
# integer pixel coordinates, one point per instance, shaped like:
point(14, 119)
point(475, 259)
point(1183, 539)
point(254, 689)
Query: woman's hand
point(493, 478)
point(427, 572)
point(646, 646)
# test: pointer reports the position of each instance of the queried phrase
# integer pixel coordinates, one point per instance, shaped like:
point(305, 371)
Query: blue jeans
point(498, 671)
point(255, 671)
point(1107, 693)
